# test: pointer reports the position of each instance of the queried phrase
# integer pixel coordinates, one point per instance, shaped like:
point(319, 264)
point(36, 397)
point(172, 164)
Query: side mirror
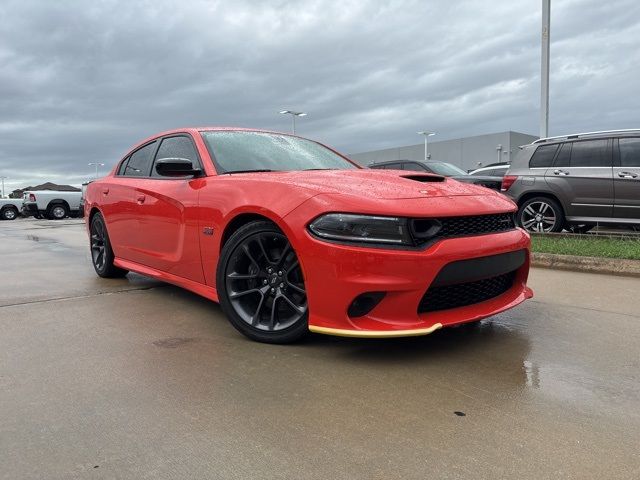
point(176, 167)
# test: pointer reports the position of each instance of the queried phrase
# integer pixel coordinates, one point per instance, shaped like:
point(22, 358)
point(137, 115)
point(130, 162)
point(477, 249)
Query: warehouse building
point(467, 153)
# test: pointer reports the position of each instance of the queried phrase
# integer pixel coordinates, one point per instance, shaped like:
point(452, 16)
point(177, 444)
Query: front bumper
point(336, 274)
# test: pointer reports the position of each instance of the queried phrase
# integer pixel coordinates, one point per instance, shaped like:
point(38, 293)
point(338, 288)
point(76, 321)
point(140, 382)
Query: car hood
point(377, 184)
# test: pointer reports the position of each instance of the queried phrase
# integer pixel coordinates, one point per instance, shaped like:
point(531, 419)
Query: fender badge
point(208, 230)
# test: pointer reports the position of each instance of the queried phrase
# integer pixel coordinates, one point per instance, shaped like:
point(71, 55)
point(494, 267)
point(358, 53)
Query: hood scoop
point(424, 178)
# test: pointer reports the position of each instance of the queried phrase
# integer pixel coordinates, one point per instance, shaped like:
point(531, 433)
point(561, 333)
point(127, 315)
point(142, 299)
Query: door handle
point(141, 199)
point(560, 172)
point(105, 191)
point(627, 175)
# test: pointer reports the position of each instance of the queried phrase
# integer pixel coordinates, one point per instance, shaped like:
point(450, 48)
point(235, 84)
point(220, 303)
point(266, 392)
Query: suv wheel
point(540, 215)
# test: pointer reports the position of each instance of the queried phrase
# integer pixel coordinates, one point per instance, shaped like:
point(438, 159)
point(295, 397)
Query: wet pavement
point(136, 379)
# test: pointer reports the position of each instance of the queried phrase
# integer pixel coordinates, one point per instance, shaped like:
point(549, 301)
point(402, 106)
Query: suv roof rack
point(585, 134)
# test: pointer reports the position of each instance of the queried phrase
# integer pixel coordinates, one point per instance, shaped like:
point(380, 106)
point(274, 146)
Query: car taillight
point(507, 181)
point(32, 197)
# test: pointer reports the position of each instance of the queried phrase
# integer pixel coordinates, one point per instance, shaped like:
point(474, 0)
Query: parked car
point(291, 236)
point(10, 208)
point(82, 197)
point(51, 204)
point(440, 168)
point(496, 170)
point(577, 181)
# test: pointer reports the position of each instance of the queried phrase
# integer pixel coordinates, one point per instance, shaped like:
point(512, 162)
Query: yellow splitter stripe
point(375, 333)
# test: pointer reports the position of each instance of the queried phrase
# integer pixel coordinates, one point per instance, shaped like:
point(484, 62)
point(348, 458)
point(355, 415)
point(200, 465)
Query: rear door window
point(591, 153)
point(139, 165)
point(629, 152)
point(543, 156)
point(564, 156)
point(123, 166)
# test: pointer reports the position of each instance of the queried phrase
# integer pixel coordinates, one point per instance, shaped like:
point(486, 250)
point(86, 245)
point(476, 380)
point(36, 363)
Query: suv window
point(590, 153)
point(177, 147)
point(543, 156)
point(140, 162)
point(629, 152)
point(564, 155)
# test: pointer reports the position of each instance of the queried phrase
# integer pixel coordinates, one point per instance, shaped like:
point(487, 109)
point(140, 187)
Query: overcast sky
point(82, 81)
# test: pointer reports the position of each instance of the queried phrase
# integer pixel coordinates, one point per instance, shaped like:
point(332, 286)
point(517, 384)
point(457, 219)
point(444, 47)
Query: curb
point(608, 266)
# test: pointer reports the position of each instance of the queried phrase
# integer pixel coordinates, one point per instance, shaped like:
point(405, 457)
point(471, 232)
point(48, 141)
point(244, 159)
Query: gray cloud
point(82, 81)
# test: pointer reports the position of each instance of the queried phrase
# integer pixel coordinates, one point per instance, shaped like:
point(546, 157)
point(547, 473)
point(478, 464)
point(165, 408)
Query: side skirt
point(195, 287)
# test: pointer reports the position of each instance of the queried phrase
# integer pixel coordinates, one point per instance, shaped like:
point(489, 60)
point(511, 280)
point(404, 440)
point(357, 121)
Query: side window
point(123, 166)
point(414, 167)
point(590, 153)
point(629, 152)
point(543, 156)
point(564, 155)
point(177, 147)
point(140, 162)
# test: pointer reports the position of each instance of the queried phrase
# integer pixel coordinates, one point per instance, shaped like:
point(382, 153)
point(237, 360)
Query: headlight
point(346, 227)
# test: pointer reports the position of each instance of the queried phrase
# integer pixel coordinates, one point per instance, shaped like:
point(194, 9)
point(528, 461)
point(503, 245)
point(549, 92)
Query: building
point(467, 153)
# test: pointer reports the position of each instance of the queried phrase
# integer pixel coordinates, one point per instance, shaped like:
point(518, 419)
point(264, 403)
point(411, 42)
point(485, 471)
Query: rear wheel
point(260, 285)
point(540, 215)
point(101, 252)
point(57, 211)
point(9, 213)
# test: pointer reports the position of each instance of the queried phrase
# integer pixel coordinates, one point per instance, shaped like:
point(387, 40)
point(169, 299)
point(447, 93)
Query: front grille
point(461, 226)
point(463, 294)
point(428, 230)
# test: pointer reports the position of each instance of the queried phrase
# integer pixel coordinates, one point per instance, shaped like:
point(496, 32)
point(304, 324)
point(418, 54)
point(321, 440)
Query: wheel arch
point(58, 201)
point(242, 219)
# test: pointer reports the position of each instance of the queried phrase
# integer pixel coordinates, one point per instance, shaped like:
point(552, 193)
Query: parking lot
point(137, 379)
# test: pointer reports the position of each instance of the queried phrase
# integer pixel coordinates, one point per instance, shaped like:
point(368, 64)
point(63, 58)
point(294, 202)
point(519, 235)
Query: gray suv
point(577, 181)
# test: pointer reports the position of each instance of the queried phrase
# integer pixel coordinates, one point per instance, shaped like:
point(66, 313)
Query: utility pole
point(293, 117)
point(426, 134)
point(2, 186)
point(544, 73)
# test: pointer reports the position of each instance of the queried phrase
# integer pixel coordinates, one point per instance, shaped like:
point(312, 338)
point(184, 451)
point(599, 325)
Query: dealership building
point(467, 153)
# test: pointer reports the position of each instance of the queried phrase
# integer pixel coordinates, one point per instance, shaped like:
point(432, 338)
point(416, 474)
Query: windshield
point(236, 151)
point(445, 169)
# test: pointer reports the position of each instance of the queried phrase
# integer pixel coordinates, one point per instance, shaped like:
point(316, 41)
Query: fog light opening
point(364, 303)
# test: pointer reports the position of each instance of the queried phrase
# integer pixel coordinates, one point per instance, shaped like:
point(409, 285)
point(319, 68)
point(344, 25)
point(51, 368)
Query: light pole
point(426, 134)
point(96, 164)
point(2, 186)
point(293, 117)
point(544, 70)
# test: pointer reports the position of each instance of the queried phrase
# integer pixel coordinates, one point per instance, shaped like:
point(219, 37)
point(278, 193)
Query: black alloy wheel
point(261, 286)
point(101, 252)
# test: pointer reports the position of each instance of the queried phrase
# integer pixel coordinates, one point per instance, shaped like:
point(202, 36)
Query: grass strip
point(587, 246)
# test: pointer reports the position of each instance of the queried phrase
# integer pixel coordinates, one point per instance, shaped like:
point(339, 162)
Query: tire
point(9, 213)
point(260, 285)
point(540, 215)
point(578, 228)
point(58, 211)
point(101, 251)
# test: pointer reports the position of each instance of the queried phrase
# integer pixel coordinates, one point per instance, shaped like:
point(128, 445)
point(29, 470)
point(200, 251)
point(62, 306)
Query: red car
point(290, 236)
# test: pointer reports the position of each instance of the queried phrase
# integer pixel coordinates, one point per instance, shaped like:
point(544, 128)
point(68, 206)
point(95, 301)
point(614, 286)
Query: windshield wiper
point(256, 170)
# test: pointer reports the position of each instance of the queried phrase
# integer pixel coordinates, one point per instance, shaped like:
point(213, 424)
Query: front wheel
point(260, 285)
point(540, 215)
point(101, 252)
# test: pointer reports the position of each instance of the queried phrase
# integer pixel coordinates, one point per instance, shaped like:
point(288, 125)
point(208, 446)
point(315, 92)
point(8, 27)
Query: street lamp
point(2, 186)
point(426, 134)
point(293, 117)
point(96, 164)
